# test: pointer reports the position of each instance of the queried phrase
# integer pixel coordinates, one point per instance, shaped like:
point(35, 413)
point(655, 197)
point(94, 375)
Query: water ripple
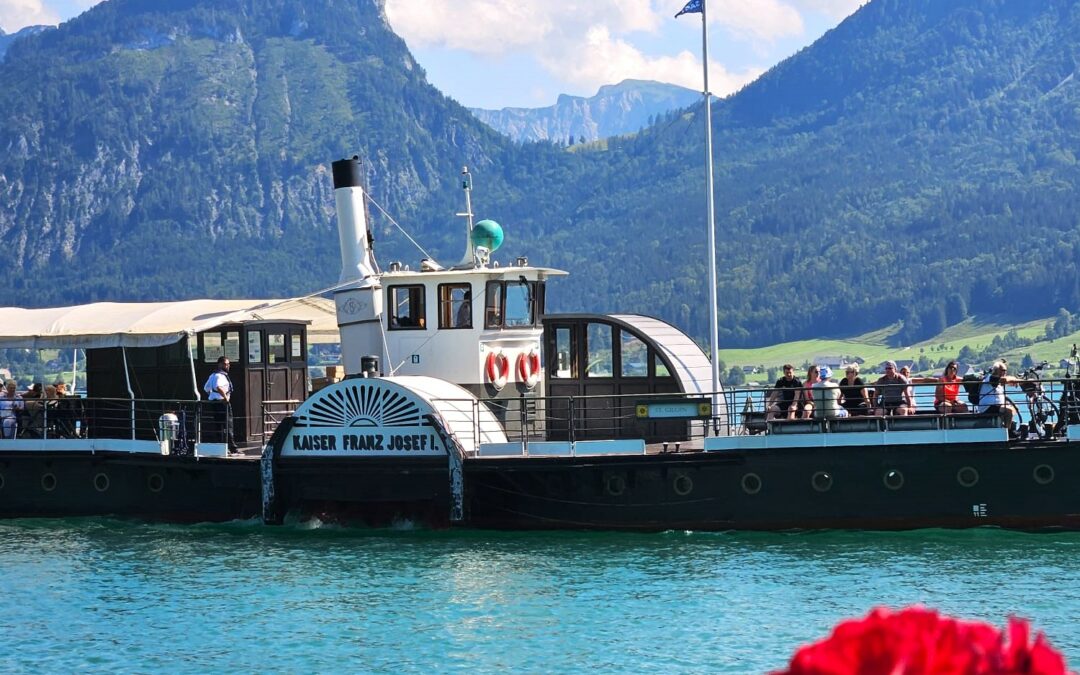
point(101, 595)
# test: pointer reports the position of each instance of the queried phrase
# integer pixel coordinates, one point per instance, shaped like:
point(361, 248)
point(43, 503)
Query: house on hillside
point(900, 363)
point(838, 362)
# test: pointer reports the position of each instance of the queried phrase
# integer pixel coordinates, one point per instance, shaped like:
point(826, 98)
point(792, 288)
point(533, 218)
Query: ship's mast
point(714, 331)
point(466, 185)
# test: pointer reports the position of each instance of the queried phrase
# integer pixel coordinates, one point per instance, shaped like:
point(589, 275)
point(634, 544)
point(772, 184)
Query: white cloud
point(18, 14)
point(498, 26)
point(586, 43)
point(757, 20)
point(837, 9)
point(604, 59)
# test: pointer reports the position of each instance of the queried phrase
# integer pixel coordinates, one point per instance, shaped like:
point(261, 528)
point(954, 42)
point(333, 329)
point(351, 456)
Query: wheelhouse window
point(232, 345)
point(564, 354)
point(634, 356)
point(275, 348)
point(212, 347)
point(660, 369)
point(254, 349)
point(598, 344)
point(455, 306)
point(513, 304)
point(407, 308)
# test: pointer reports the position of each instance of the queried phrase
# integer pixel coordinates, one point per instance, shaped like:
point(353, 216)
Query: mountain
point(917, 163)
point(7, 38)
point(615, 109)
point(181, 148)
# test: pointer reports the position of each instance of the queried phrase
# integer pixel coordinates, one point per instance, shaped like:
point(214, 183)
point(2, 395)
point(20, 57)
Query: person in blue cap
point(827, 397)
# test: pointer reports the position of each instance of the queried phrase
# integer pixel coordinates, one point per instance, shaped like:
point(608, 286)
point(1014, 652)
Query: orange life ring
point(498, 369)
point(528, 367)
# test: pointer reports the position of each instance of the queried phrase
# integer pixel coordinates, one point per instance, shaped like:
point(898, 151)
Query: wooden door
point(277, 388)
point(256, 390)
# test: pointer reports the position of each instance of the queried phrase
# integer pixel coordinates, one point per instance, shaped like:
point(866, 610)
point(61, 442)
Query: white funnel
point(357, 258)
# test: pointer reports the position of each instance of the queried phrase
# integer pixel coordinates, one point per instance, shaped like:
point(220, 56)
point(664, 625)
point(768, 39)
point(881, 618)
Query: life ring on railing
point(528, 367)
point(498, 369)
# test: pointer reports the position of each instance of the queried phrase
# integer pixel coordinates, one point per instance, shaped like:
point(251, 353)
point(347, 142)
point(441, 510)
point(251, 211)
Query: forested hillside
point(7, 38)
point(916, 163)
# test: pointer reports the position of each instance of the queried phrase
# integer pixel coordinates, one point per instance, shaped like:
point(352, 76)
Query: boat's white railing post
point(191, 361)
point(194, 387)
point(131, 393)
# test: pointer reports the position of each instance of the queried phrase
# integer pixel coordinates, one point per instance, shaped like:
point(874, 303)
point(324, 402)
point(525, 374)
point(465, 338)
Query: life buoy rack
point(497, 369)
point(528, 368)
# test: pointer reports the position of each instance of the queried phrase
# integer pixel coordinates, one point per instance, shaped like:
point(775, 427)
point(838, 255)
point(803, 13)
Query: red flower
point(916, 640)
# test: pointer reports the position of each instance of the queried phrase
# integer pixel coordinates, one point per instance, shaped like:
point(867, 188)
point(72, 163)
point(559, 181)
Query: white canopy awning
point(153, 324)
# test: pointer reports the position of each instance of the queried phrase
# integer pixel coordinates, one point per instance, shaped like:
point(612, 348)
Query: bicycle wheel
point(1048, 416)
point(1016, 418)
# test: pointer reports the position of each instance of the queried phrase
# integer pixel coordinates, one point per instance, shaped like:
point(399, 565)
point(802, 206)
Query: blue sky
point(497, 53)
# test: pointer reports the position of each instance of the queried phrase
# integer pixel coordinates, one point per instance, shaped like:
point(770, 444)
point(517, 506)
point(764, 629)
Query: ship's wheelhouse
point(598, 363)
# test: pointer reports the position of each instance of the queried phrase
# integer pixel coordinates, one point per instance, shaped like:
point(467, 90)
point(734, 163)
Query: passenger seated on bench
point(891, 392)
point(826, 395)
point(992, 393)
point(34, 402)
point(781, 402)
point(946, 396)
point(806, 400)
point(11, 405)
point(853, 394)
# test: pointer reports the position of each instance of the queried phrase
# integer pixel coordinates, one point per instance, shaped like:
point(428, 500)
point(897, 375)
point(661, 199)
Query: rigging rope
point(399, 227)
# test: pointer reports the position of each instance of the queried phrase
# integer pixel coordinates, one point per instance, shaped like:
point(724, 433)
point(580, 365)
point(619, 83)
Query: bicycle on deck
point(1042, 412)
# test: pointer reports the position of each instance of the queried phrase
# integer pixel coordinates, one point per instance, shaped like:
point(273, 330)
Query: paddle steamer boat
point(466, 403)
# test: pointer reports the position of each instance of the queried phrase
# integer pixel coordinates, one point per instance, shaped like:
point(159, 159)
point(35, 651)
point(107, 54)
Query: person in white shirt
point(826, 395)
point(992, 393)
point(11, 404)
point(219, 391)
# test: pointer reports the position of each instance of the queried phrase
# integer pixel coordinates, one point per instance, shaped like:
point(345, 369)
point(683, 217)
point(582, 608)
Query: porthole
point(967, 476)
point(751, 483)
point(615, 485)
point(101, 482)
point(682, 484)
point(1043, 474)
point(48, 482)
point(155, 482)
point(893, 479)
point(821, 481)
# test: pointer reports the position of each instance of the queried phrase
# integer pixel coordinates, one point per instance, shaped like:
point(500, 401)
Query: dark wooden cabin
point(269, 363)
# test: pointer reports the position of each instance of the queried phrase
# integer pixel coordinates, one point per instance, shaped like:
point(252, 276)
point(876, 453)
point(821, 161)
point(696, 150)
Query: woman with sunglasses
point(806, 400)
point(946, 395)
point(853, 394)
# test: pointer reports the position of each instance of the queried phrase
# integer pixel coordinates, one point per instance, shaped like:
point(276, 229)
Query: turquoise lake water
point(104, 595)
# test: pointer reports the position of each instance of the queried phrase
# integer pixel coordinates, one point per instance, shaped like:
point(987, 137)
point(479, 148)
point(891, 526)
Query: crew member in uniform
point(219, 387)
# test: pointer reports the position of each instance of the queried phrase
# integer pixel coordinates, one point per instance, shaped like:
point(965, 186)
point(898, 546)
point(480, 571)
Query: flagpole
point(714, 336)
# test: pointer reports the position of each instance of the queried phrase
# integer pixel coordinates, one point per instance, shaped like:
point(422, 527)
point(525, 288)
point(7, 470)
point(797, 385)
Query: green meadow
point(874, 347)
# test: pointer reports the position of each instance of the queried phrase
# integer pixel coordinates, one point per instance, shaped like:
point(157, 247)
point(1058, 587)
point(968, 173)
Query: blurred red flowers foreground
point(919, 640)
